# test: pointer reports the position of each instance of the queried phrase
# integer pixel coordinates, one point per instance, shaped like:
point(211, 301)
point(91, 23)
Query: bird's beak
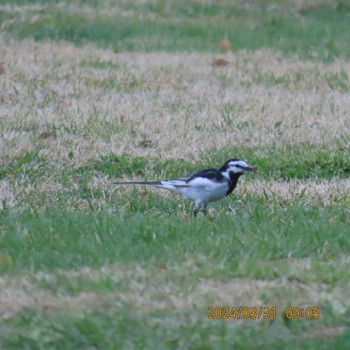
point(249, 168)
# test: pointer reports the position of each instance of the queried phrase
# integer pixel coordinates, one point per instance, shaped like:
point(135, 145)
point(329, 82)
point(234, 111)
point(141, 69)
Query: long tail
point(147, 183)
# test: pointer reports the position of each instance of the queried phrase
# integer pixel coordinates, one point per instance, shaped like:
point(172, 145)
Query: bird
point(203, 186)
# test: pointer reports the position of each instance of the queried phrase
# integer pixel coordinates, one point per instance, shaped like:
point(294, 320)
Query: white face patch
point(238, 166)
point(235, 169)
point(239, 163)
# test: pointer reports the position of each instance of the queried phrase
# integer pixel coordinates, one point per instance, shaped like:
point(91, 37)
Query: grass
point(95, 92)
point(280, 163)
point(138, 255)
point(86, 334)
point(310, 31)
point(68, 240)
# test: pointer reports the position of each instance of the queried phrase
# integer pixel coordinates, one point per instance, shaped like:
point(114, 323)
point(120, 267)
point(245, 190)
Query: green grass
point(147, 241)
point(88, 265)
point(47, 241)
point(289, 162)
point(277, 162)
point(103, 330)
point(315, 32)
point(257, 243)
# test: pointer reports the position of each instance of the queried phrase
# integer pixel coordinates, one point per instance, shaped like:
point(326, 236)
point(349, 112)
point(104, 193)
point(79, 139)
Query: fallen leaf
point(225, 45)
point(6, 260)
point(2, 68)
point(220, 62)
point(46, 134)
point(146, 143)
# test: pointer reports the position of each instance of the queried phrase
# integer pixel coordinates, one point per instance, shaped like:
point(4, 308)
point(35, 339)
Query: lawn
point(94, 92)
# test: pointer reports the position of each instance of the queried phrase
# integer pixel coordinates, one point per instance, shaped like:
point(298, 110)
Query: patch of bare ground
point(89, 101)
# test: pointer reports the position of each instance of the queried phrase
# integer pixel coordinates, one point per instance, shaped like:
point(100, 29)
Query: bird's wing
point(196, 179)
point(193, 180)
point(211, 174)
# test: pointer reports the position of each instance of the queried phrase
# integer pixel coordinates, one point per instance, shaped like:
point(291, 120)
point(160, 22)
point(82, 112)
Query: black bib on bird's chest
point(233, 182)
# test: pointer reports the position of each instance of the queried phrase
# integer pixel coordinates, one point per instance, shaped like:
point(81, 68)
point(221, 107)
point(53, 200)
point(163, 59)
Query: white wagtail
point(203, 186)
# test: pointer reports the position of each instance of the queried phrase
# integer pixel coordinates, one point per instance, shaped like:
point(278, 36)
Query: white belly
point(199, 190)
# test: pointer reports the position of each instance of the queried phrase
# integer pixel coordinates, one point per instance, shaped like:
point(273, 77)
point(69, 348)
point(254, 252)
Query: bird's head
point(237, 166)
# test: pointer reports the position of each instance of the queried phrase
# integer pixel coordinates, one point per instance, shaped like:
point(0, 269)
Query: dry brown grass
point(59, 100)
point(18, 295)
point(174, 102)
point(327, 192)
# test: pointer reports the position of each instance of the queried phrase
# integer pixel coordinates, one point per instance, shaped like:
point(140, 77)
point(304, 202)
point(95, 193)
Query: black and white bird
point(204, 186)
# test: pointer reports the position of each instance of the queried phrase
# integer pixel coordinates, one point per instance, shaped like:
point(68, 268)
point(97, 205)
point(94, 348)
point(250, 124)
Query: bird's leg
point(196, 209)
point(202, 207)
